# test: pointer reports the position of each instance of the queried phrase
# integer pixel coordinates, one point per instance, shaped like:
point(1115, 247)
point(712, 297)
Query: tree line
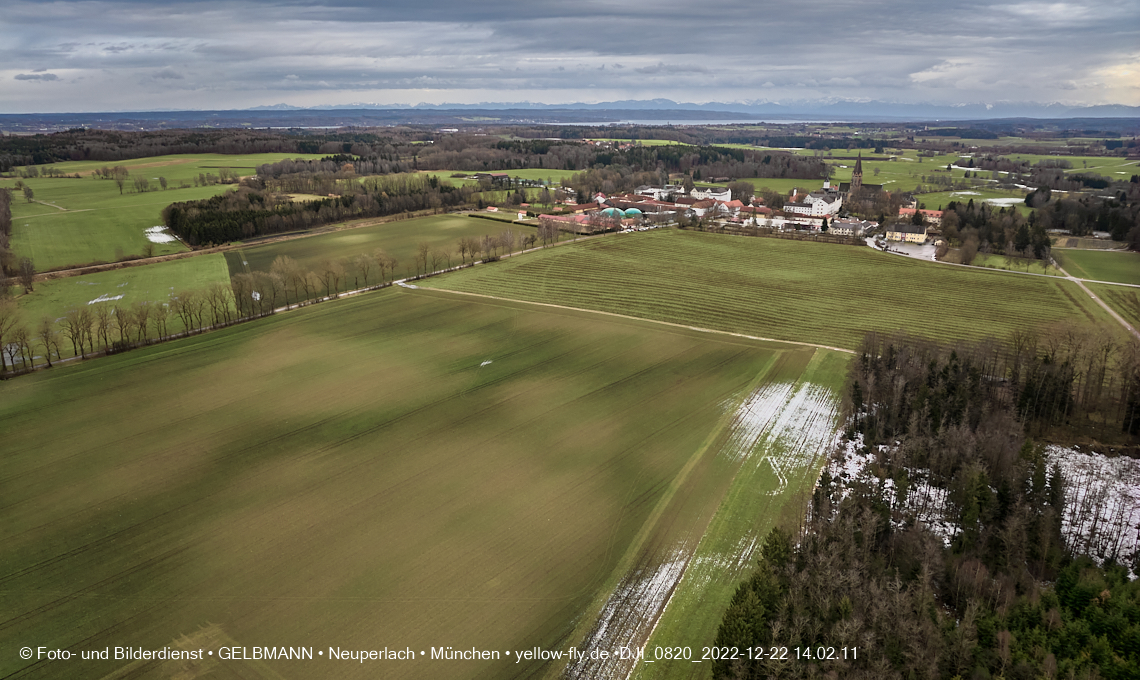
point(110, 328)
point(251, 212)
point(995, 592)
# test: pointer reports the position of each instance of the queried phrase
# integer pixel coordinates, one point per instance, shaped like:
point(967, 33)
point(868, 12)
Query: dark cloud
point(37, 76)
point(244, 52)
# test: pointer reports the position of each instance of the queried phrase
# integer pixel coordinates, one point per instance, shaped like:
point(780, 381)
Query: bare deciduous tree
point(48, 338)
point(27, 274)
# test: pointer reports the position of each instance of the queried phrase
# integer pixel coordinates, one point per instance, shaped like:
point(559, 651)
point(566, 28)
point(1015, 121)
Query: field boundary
point(640, 318)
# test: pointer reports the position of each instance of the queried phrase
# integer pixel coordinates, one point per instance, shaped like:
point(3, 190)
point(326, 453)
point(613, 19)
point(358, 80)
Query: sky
point(128, 55)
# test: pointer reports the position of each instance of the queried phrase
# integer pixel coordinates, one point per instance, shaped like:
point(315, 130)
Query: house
point(494, 177)
point(843, 226)
point(932, 216)
point(798, 208)
point(658, 193)
point(907, 233)
point(715, 193)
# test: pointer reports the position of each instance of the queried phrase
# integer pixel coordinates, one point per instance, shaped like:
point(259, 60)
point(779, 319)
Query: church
point(856, 182)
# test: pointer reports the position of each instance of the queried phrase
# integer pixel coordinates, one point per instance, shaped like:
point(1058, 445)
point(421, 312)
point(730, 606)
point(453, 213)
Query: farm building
point(932, 216)
point(906, 232)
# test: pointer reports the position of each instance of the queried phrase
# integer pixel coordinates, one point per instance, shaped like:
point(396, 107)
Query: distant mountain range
point(654, 111)
point(832, 110)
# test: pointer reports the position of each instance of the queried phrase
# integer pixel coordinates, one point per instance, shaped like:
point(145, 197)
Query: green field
point(1017, 264)
point(80, 221)
point(791, 423)
point(783, 186)
point(147, 283)
point(98, 224)
point(179, 168)
point(1101, 265)
point(1124, 300)
point(399, 239)
point(401, 469)
point(787, 290)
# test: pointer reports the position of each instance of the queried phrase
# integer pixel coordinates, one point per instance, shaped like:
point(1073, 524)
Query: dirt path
point(1110, 310)
point(637, 318)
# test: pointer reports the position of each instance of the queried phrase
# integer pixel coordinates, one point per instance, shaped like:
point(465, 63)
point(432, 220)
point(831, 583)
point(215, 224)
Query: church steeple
point(857, 174)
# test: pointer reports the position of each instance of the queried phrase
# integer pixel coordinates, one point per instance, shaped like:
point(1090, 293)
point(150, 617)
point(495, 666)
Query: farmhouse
point(493, 176)
point(932, 216)
point(906, 232)
point(843, 226)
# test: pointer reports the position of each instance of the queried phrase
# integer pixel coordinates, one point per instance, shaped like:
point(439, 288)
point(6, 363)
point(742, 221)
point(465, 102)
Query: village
point(714, 207)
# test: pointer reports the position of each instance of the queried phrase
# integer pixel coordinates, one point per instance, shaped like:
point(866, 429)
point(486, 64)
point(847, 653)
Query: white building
point(659, 193)
point(715, 193)
point(850, 227)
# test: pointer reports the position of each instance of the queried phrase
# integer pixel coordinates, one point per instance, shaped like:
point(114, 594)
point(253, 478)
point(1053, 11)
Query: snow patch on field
point(485, 363)
point(786, 426)
point(159, 234)
point(1005, 201)
point(1102, 505)
point(106, 298)
point(796, 421)
point(628, 615)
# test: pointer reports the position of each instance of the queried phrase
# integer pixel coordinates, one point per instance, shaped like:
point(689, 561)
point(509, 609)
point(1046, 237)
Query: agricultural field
point(179, 168)
point(127, 286)
point(92, 222)
point(657, 142)
point(1113, 167)
point(74, 222)
point(786, 290)
point(784, 186)
point(1101, 265)
point(1085, 243)
point(1124, 300)
point(996, 199)
point(399, 239)
point(784, 427)
point(408, 468)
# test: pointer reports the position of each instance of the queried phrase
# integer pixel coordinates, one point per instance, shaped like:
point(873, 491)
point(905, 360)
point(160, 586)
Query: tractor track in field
point(641, 318)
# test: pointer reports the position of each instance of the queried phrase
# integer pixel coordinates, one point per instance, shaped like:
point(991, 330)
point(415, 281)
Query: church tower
point(857, 174)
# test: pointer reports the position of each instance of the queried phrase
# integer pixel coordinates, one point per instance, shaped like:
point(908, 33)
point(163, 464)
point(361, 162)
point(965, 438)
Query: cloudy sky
point(97, 55)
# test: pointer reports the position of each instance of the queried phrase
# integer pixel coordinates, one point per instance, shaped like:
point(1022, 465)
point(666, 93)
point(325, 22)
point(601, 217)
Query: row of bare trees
point(108, 328)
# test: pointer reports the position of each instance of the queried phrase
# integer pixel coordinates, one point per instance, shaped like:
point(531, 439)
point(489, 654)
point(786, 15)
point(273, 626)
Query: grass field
point(97, 225)
point(399, 239)
point(149, 283)
point(80, 221)
point(787, 427)
point(1084, 243)
point(1124, 301)
point(403, 469)
point(1017, 264)
point(787, 290)
point(1100, 265)
point(178, 168)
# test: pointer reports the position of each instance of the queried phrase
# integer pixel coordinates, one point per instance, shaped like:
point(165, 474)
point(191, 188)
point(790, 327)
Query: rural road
point(1067, 277)
point(1110, 310)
